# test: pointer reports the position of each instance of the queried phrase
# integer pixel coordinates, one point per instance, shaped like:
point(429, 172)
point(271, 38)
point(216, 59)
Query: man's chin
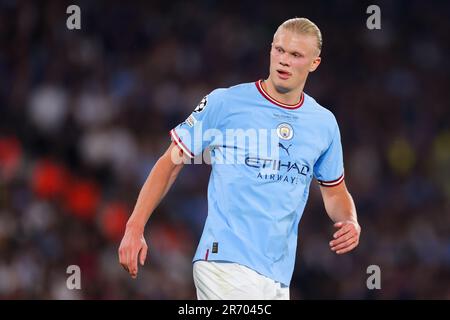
point(281, 88)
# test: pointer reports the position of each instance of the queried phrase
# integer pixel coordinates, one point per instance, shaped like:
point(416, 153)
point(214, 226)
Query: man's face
point(292, 57)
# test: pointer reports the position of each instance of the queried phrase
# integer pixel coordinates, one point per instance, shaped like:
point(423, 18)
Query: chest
point(278, 137)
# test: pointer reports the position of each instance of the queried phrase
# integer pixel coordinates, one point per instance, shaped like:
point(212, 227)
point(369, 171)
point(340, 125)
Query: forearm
point(172, 179)
point(341, 207)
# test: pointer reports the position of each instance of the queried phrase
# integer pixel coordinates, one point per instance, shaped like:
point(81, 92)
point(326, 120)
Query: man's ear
point(315, 64)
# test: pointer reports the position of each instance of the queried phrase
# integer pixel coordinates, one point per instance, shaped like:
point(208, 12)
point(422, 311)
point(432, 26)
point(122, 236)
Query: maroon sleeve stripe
point(332, 183)
point(180, 143)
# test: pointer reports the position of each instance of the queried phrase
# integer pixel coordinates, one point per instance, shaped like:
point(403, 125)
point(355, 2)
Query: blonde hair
point(303, 26)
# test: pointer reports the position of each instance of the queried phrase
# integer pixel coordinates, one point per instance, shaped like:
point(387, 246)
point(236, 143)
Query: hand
point(133, 245)
point(346, 238)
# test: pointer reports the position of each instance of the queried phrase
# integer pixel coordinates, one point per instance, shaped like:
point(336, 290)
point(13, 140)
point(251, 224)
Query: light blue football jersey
point(264, 155)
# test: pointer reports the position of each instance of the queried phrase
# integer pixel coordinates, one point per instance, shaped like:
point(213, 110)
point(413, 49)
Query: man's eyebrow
point(292, 52)
point(296, 52)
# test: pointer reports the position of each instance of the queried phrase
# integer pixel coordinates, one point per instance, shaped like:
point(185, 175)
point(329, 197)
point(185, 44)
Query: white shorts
point(231, 281)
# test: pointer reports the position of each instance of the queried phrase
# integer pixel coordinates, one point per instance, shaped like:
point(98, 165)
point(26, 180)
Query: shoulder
point(220, 95)
point(229, 92)
point(325, 115)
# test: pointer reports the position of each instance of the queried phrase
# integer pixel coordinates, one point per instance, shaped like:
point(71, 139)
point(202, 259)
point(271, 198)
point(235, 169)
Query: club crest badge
point(285, 131)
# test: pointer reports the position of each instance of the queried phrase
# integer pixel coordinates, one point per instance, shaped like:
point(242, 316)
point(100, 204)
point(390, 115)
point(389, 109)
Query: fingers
point(122, 258)
point(132, 263)
point(344, 244)
point(338, 224)
point(343, 229)
point(346, 238)
point(349, 248)
point(128, 257)
point(143, 254)
point(343, 238)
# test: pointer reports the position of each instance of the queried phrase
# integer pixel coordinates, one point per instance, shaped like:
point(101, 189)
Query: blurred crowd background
point(85, 114)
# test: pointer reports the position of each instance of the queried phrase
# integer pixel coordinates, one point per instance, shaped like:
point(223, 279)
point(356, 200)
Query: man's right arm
point(153, 191)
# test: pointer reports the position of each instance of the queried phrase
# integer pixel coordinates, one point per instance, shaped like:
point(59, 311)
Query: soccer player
point(248, 246)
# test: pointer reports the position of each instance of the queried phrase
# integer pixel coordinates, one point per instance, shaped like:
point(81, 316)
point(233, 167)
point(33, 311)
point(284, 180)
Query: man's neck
point(291, 98)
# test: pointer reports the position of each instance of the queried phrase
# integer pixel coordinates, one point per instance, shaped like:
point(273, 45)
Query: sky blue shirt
point(264, 155)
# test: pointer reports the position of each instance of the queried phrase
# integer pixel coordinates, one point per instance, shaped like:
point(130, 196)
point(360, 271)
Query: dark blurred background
point(85, 114)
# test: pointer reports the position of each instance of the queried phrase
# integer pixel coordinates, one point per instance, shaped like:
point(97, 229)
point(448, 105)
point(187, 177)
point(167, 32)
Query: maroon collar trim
point(266, 95)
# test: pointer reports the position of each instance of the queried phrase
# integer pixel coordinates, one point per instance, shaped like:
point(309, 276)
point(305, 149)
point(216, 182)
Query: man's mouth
point(283, 74)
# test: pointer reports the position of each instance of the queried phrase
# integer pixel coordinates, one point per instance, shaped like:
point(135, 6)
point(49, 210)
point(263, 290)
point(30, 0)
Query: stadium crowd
point(85, 114)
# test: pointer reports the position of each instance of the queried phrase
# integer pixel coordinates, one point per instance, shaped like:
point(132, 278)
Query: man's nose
point(283, 62)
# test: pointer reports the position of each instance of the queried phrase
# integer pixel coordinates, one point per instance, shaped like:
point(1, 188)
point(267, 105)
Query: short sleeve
point(189, 135)
point(329, 168)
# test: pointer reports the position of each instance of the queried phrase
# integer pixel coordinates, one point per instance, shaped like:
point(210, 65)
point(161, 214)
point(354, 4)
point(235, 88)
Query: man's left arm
point(341, 209)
